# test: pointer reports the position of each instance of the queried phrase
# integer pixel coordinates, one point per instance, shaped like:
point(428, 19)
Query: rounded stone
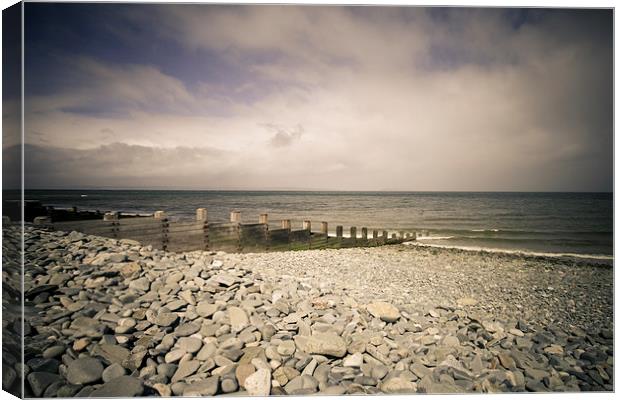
point(229, 385)
point(84, 370)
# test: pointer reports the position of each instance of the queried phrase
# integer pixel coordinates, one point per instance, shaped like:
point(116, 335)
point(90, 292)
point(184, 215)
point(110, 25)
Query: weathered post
point(393, 235)
point(286, 224)
point(161, 215)
point(375, 234)
point(385, 236)
point(325, 232)
point(41, 220)
point(201, 214)
point(402, 234)
point(307, 225)
point(110, 216)
point(339, 235)
point(364, 233)
point(264, 219)
point(354, 234)
point(235, 216)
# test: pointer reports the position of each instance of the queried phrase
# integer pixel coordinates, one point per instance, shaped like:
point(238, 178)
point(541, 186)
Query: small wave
point(434, 237)
point(485, 230)
point(518, 252)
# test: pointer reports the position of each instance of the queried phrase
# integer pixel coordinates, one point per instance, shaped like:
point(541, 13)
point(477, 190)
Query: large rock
point(166, 318)
point(206, 387)
point(140, 284)
point(39, 381)
point(398, 385)
point(326, 343)
point(112, 353)
point(259, 383)
point(238, 319)
point(187, 329)
point(205, 309)
point(84, 370)
point(385, 311)
point(112, 372)
point(124, 386)
point(186, 368)
point(300, 385)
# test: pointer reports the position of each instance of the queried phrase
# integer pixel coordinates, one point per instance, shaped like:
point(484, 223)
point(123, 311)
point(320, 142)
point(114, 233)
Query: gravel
point(393, 319)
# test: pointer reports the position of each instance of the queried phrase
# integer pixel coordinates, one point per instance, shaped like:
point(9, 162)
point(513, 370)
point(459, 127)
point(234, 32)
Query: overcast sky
point(341, 98)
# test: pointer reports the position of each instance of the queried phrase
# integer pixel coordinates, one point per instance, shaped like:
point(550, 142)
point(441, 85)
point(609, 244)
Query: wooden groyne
point(164, 233)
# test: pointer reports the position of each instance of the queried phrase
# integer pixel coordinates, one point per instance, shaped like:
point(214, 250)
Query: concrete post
point(324, 227)
point(353, 233)
point(110, 216)
point(375, 234)
point(235, 216)
point(159, 215)
point(307, 225)
point(365, 233)
point(286, 224)
point(263, 219)
point(201, 214)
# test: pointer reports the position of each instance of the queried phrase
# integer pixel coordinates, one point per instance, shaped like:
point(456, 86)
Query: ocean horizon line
point(310, 190)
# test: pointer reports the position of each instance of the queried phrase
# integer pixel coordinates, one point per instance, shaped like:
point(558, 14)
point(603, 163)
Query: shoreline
point(587, 258)
point(390, 319)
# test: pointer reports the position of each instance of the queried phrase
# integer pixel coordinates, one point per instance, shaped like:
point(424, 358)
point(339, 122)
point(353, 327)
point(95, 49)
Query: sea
point(578, 224)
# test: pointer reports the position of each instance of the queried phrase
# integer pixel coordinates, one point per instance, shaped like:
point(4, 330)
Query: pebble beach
point(108, 318)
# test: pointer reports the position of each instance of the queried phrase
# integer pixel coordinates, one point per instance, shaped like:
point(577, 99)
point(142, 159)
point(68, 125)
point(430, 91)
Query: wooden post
point(41, 220)
point(201, 214)
point(354, 234)
point(385, 236)
point(286, 224)
point(339, 234)
point(375, 234)
point(263, 219)
point(393, 236)
point(307, 225)
point(365, 233)
point(235, 216)
point(324, 228)
point(110, 216)
point(161, 215)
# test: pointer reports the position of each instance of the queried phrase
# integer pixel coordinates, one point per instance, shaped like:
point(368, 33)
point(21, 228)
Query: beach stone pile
point(112, 318)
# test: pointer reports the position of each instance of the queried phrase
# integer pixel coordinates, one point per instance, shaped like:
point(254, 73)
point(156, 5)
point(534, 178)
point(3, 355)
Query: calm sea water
point(580, 223)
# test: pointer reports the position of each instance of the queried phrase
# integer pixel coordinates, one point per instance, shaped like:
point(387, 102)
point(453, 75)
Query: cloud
point(370, 97)
point(284, 137)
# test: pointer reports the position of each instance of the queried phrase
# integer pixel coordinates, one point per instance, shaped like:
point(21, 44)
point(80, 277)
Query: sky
point(318, 97)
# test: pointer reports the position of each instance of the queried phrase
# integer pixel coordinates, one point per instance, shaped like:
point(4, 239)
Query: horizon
point(308, 190)
point(353, 98)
